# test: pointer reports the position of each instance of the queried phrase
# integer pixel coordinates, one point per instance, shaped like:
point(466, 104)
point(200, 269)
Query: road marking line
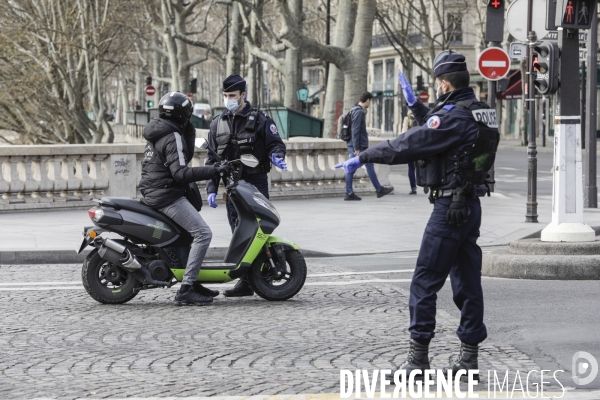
point(14, 289)
point(360, 273)
point(40, 283)
point(342, 283)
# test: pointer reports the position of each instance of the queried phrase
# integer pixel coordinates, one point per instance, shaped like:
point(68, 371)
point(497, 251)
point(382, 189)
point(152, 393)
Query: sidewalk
point(394, 223)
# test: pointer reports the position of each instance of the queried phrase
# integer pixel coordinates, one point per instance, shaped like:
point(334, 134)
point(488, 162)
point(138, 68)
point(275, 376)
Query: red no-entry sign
point(424, 96)
point(150, 90)
point(493, 63)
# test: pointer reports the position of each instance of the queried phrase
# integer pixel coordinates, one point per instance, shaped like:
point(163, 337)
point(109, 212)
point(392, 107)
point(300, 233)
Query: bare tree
point(56, 56)
point(419, 29)
point(351, 60)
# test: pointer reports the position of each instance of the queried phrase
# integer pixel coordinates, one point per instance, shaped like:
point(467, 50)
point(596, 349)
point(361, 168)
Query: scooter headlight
point(265, 204)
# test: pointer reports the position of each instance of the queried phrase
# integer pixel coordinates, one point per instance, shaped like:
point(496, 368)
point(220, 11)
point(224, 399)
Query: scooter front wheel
point(287, 286)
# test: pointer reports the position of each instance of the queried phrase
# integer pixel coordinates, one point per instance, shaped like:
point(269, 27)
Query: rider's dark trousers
point(186, 216)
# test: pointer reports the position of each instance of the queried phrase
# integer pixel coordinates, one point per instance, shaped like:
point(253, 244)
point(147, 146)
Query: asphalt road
point(547, 320)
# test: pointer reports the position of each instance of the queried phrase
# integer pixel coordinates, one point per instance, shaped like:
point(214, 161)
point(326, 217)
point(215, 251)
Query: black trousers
point(261, 182)
point(449, 250)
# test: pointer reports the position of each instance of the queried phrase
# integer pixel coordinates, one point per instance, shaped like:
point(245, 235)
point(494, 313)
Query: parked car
point(203, 110)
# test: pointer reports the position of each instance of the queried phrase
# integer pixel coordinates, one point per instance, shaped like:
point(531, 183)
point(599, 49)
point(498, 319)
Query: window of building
point(378, 72)
point(313, 76)
point(455, 33)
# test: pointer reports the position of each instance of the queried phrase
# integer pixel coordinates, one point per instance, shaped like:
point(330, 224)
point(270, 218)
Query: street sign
point(553, 35)
point(424, 96)
point(516, 19)
point(150, 90)
point(493, 63)
point(518, 50)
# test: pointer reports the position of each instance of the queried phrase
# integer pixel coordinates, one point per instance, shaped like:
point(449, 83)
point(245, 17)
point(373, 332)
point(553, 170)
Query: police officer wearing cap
point(453, 148)
point(242, 129)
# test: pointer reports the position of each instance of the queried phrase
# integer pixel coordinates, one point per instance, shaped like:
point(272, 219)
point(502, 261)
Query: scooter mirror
point(201, 143)
point(249, 160)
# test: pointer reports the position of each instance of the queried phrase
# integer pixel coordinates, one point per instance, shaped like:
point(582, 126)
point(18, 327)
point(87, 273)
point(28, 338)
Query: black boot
point(418, 358)
point(204, 291)
point(186, 296)
point(242, 288)
point(467, 359)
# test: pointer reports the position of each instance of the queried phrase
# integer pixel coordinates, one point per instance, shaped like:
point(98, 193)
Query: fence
point(68, 176)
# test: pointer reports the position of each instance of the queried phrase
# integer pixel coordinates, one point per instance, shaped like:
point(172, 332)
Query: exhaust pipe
point(126, 259)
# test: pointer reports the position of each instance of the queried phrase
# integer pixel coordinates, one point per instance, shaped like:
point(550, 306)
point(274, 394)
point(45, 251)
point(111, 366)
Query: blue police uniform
point(245, 132)
point(445, 249)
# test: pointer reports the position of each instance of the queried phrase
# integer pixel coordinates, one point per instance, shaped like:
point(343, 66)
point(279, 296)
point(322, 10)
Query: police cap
point(233, 83)
point(451, 62)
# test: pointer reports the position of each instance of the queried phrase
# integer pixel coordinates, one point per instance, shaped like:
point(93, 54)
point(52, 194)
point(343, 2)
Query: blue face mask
point(232, 104)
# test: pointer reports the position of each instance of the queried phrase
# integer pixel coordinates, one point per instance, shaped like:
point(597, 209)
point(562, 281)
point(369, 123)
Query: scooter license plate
point(82, 245)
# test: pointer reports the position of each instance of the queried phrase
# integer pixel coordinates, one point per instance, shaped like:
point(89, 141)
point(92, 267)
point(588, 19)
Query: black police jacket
point(268, 142)
point(165, 171)
point(447, 128)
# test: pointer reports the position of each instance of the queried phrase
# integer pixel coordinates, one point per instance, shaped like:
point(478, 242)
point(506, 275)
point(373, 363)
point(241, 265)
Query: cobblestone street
point(59, 343)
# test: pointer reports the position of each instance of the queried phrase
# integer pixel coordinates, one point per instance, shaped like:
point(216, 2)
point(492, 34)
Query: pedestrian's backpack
point(344, 130)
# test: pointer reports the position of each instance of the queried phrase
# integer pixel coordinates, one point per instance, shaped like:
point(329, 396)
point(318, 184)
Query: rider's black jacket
point(165, 171)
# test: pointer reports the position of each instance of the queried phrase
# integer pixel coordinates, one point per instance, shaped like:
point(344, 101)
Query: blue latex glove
point(407, 90)
point(211, 200)
point(351, 165)
point(278, 162)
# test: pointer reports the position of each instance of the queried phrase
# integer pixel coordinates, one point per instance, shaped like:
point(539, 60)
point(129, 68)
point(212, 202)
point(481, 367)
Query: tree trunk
point(356, 75)
point(334, 94)
point(171, 45)
point(234, 52)
point(293, 64)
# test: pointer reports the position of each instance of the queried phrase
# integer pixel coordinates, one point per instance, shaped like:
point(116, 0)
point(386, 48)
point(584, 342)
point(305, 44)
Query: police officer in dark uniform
point(242, 129)
point(453, 149)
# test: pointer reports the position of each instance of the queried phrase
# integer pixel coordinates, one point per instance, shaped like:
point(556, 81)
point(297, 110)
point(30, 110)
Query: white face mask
point(232, 104)
point(437, 90)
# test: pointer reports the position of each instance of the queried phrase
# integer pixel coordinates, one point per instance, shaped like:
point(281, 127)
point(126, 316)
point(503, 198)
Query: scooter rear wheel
point(285, 288)
point(107, 283)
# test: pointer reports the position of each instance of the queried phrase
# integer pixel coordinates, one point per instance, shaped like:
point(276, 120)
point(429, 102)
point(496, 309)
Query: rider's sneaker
point(188, 297)
point(204, 291)
point(242, 288)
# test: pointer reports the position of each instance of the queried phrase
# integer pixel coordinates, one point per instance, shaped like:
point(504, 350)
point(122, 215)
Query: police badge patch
point(273, 129)
point(433, 122)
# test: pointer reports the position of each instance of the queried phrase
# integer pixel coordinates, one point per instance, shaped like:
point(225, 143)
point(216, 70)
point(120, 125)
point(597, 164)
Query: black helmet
point(175, 106)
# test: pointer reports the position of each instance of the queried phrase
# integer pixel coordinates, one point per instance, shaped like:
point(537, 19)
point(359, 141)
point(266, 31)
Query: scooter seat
point(127, 203)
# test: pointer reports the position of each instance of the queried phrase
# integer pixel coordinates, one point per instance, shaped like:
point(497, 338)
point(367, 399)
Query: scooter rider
point(165, 177)
point(453, 150)
point(242, 129)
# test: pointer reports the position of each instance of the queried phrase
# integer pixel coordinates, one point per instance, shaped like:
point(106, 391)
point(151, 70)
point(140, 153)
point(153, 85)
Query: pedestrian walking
point(454, 151)
point(359, 143)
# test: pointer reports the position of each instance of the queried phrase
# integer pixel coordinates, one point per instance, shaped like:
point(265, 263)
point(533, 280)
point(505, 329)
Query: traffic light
point(148, 80)
point(150, 103)
point(546, 68)
point(194, 85)
point(494, 26)
point(420, 82)
point(574, 14)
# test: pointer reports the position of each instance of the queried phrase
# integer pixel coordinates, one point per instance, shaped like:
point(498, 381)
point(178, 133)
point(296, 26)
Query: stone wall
point(69, 176)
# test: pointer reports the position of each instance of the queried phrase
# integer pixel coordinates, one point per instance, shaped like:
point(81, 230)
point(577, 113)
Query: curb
point(504, 264)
